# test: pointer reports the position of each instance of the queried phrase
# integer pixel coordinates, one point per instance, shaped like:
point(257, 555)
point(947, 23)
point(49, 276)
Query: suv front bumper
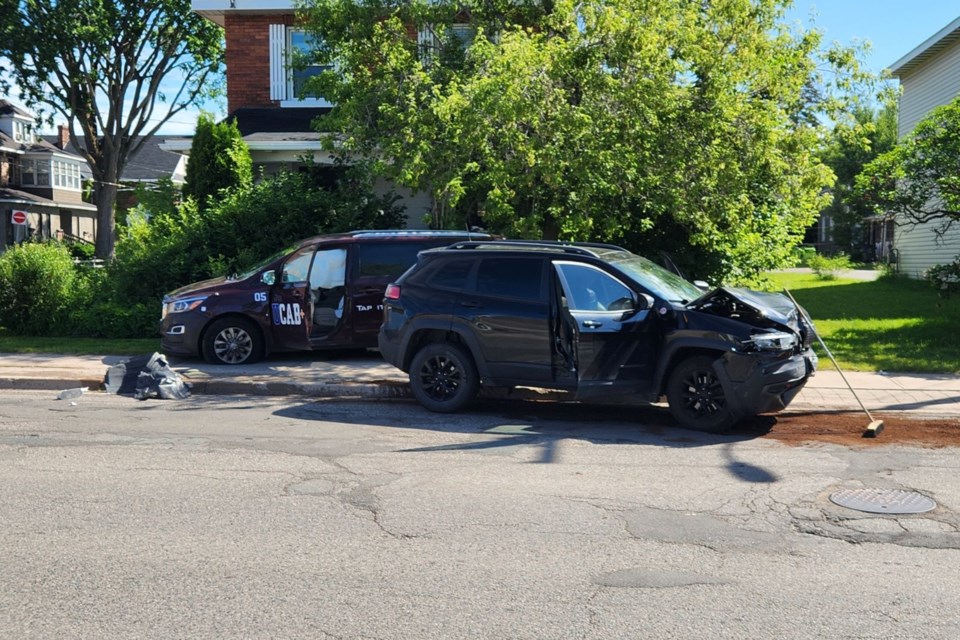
point(757, 383)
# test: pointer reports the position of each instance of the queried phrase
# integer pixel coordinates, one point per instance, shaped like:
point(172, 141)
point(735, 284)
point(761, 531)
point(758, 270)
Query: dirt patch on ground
point(847, 429)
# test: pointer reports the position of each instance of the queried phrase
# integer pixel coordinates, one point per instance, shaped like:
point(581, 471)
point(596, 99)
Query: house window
point(431, 44)
point(11, 171)
point(66, 175)
point(29, 172)
point(286, 82)
point(36, 173)
point(21, 131)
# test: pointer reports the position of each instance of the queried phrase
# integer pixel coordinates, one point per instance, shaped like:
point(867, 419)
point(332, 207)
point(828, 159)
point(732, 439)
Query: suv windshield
point(662, 283)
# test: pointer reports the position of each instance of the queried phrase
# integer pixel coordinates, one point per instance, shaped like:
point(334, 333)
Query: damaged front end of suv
point(761, 357)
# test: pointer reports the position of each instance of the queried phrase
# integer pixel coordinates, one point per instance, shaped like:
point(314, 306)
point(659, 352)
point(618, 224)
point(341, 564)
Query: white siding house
point(929, 77)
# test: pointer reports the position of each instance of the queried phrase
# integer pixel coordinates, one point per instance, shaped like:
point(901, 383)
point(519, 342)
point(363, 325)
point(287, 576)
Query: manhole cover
point(883, 500)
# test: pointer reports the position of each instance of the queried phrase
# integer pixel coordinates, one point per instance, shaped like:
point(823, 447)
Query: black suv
point(324, 292)
point(594, 320)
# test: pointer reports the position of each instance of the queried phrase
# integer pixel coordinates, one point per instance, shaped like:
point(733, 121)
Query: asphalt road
point(258, 517)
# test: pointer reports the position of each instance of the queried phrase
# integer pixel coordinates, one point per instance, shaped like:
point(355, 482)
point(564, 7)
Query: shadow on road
point(500, 424)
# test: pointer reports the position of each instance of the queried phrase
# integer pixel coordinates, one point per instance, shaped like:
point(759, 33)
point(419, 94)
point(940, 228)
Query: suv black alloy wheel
point(443, 377)
point(696, 396)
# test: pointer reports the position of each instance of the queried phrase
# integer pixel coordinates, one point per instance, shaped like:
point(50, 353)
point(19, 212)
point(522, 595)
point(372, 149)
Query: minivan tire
point(696, 396)
point(232, 341)
point(443, 377)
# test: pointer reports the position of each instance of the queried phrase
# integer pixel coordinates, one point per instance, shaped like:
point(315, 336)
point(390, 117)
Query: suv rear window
point(451, 275)
point(511, 277)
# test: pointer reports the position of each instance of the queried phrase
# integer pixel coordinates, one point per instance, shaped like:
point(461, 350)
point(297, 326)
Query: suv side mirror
point(702, 285)
point(641, 302)
point(268, 277)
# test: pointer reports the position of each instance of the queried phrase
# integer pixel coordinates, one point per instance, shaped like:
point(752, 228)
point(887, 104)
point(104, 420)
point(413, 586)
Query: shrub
point(945, 278)
point(81, 250)
point(802, 256)
point(36, 288)
point(827, 268)
point(239, 229)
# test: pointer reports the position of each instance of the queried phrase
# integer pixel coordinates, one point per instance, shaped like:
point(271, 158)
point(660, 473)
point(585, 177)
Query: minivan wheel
point(232, 341)
point(696, 397)
point(443, 377)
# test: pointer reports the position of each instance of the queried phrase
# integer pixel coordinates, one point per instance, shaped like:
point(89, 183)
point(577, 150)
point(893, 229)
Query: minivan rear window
point(387, 259)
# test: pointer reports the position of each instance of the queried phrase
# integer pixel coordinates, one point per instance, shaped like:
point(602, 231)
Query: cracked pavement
point(242, 517)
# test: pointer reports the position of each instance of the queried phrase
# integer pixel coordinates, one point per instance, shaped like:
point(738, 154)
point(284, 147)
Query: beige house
point(929, 76)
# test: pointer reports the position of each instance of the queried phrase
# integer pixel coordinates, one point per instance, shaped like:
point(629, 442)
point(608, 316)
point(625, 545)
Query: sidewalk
point(366, 375)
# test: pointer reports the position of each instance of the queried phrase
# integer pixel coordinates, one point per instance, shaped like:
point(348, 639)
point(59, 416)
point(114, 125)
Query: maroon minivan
point(324, 292)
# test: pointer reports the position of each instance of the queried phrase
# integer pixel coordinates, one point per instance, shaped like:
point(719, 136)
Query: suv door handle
point(471, 305)
point(592, 324)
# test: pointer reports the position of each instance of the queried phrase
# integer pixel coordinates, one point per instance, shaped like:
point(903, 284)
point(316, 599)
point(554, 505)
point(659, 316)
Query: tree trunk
point(105, 195)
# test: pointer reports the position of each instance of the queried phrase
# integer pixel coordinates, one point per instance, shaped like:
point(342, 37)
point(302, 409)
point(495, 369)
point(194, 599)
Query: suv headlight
point(183, 304)
point(774, 341)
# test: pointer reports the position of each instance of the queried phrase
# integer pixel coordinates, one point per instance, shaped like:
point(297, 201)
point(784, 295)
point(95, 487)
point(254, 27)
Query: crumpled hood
point(197, 288)
point(729, 301)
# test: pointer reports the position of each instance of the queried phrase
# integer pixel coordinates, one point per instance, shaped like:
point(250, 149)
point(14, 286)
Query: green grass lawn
point(890, 324)
point(78, 346)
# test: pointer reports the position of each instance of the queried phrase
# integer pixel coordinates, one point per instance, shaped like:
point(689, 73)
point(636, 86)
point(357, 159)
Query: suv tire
point(696, 396)
point(232, 341)
point(443, 377)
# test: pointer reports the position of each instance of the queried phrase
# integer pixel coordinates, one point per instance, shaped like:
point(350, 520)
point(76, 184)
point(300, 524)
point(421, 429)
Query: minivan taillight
point(392, 292)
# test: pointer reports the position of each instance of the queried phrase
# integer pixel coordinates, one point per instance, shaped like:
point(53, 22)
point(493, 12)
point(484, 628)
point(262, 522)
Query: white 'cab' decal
point(287, 313)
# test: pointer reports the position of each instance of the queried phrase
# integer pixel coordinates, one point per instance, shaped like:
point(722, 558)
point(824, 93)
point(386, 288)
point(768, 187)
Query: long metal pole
point(830, 355)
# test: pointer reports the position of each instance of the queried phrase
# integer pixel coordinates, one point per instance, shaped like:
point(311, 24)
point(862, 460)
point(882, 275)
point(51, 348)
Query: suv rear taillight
point(392, 292)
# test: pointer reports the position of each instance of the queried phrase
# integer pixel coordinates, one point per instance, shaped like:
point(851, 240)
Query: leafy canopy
point(674, 125)
point(847, 151)
point(918, 179)
point(105, 66)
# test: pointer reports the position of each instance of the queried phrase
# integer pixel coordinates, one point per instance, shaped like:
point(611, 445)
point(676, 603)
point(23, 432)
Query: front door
point(615, 346)
point(290, 317)
point(329, 305)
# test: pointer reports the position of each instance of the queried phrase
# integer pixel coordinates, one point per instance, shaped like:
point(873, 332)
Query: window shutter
point(427, 43)
point(278, 66)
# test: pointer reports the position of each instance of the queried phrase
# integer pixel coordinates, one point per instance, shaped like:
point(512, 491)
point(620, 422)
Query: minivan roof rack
point(577, 248)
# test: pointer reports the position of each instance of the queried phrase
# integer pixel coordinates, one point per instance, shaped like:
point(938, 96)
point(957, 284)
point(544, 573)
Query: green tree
point(665, 125)
point(106, 67)
point(848, 150)
point(918, 178)
point(219, 159)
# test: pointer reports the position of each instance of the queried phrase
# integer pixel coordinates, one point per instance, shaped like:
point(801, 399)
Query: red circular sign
point(19, 217)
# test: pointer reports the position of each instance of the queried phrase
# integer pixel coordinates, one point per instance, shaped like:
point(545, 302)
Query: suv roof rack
point(578, 248)
point(376, 233)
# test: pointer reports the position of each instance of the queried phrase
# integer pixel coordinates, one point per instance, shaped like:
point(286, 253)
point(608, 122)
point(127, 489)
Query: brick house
point(263, 89)
point(41, 183)
point(929, 77)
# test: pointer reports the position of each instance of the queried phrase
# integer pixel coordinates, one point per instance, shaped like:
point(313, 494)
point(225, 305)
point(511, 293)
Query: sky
point(892, 27)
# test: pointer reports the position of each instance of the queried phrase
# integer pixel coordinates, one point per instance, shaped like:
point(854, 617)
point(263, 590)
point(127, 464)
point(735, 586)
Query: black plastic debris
point(146, 377)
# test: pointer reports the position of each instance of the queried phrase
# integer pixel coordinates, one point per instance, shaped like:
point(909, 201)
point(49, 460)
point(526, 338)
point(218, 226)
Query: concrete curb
point(386, 389)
